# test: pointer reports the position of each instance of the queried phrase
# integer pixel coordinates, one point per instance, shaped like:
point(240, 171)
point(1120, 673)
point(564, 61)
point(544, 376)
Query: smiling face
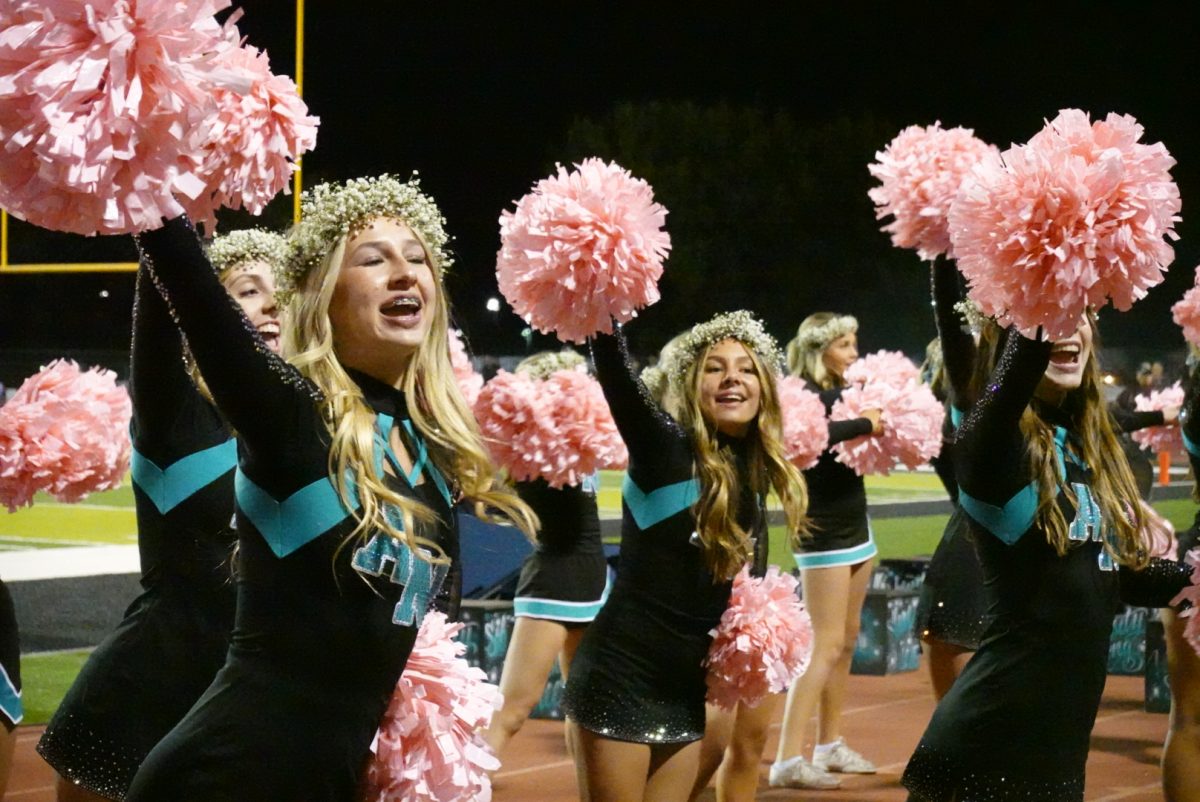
point(252, 285)
point(730, 388)
point(384, 300)
point(840, 354)
point(1068, 359)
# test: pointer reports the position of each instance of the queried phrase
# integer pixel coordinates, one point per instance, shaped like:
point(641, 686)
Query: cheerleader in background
point(562, 586)
point(11, 709)
point(143, 678)
point(835, 567)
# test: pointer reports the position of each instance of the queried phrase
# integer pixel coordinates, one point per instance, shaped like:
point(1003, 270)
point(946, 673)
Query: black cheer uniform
point(565, 579)
point(143, 678)
point(12, 711)
point(639, 674)
point(1016, 723)
point(324, 626)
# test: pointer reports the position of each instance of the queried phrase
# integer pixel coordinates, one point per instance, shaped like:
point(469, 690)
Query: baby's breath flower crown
point(248, 245)
point(971, 314)
point(740, 325)
point(330, 211)
point(543, 366)
point(820, 337)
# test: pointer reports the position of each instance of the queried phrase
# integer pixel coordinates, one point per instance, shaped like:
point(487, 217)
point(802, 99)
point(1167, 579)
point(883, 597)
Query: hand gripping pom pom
point(108, 115)
point(66, 433)
point(1160, 438)
point(430, 747)
point(469, 382)
point(763, 643)
point(805, 428)
point(912, 425)
point(1077, 217)
point(919, 174)
point(581, 250)
point(1186, 313)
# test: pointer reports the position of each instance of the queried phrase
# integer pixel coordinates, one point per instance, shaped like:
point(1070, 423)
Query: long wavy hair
point(436, 406)
point(805, 360)
point(727, 546)
point(1095, 439)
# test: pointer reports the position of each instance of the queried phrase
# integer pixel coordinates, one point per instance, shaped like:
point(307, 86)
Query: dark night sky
point(478, 97)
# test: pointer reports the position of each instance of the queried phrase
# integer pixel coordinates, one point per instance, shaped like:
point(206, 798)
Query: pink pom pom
point(912, 426)
point(1075, 218)
point(919, 174)
point(763, 643)
point(430, 745)
point(1191, 595)
point(250, 143)
point(805, 428)
point(66, 432)
point(559, 430)
point(1158, 533)
point(1160, 438)
point(469, 382)
point(581, 250)
point(891, 367)
point(1186, 312)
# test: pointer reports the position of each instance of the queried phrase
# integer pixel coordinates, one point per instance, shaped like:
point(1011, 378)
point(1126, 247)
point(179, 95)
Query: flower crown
point(542, 366)
point(740, 325)
point(971, 314)
point(331, 211)
point(248, 245)
point(819, 337)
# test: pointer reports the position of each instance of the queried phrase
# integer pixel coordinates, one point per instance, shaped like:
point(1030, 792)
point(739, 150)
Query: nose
point(269, 305)
point(403, 274)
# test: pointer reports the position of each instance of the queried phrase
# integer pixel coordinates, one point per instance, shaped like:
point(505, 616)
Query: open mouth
point(404, 309)
point(730, 398)
point(1065, 355)
point(270, 334)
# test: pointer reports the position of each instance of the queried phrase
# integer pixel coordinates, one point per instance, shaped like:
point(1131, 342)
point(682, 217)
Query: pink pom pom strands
point(469, 382)
point(558, 429)
point(1186, 312)
point(805, 428)
point(109, 115)
point(919, 174)
point(1160, 438)
point(1076, 218)
point(65, 432)
point(430, 745)
point(891, 367)
point(763, 643)
point(1191, 594)
point(581, 250)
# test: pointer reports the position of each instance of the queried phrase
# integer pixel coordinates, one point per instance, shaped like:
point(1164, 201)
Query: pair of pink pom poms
point(65, 432)
point(581, 250)
point(919, 174)
point(1076, 218)
point(430, 746)
point(910, 415)
point(558, 429)
point(1160, 438)
point(116, 114)
point(805, 427)
point(763, 643)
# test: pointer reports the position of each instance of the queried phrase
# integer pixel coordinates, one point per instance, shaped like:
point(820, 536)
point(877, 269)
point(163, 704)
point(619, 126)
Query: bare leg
point(8, 740)
point(531, 652)
point(608, 770)
point(718, 730)
point(826, 594)
point(1181, 752)
point(737, 779)
point(946, 662)
point(672, 769)
point(565, 657)
point(829, 723)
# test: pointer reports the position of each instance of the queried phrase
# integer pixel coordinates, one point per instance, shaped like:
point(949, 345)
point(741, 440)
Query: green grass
point(101, 519)
point(45, 679)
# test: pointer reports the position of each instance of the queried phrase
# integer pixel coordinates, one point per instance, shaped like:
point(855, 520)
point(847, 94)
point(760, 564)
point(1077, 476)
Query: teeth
point(406, 302)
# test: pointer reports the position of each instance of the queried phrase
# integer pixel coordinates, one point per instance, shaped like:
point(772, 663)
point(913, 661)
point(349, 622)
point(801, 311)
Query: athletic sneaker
point(843, 759)
point(797, 772)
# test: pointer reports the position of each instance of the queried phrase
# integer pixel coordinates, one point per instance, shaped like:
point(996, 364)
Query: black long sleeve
point(1156, 584)
point(958, 348)
point(1131, 420)
point(841, 430)
point(159, 384)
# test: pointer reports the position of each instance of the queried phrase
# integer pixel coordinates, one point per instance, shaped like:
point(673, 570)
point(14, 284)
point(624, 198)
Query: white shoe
point(843, 759)
point(797, 772)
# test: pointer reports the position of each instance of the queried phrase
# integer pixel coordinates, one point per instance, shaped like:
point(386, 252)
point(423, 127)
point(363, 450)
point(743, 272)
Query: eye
point(374, 259)
point(248, 292)
point(416, 257)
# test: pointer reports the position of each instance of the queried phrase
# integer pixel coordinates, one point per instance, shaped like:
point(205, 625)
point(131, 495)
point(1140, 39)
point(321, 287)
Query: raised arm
point(958, 348)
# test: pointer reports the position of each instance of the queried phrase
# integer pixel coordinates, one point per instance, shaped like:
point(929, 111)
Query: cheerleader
point(1054, 515)
point(143, 678)
point(562, 586)
point(351, 457)
point(691, 510)
point(835, 566)
point(11, 710)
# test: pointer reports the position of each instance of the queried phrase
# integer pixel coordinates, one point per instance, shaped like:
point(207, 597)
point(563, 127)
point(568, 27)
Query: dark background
point(754, 124)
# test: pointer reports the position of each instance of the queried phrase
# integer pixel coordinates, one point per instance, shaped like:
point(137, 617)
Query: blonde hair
point(436, 406)
point(727, 545)
point(656, 380)
point(805, 351)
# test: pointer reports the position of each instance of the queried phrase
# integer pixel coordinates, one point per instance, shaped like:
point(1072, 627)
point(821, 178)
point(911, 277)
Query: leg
point(8, 740)
point(611, 771)
point(825, 596)
point(570, 646)
point(672, 770)
point(1181, 752)
point(946, 662)
point(67, 791)
point(531, 652)
point(829, 723)
point(718, 730)
point(737, 779)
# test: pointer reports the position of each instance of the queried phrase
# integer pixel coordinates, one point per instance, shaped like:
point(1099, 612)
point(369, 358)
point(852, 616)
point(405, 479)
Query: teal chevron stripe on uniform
point(300, 518)
point(183, 477)
point(661, 503)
